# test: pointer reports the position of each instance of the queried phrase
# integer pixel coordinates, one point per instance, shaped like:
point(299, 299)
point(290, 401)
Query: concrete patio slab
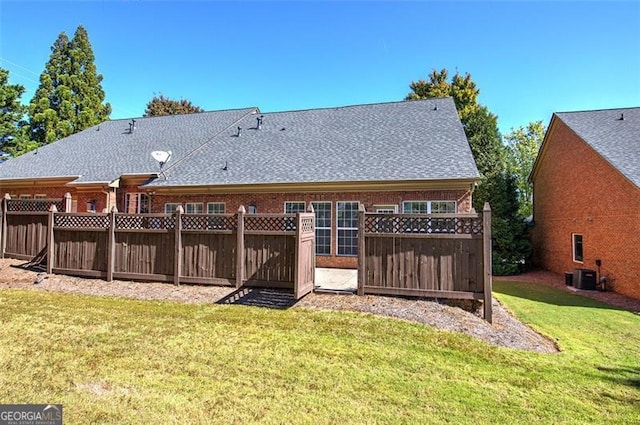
point(336, 280)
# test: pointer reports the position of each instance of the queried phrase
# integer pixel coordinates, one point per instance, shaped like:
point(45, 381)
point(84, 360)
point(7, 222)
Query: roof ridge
point(392, 102)
point(174, 115)
point(209, 140)
point(598, 110)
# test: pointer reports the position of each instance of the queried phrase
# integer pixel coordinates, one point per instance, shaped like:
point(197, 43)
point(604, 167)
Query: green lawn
point(120, 361)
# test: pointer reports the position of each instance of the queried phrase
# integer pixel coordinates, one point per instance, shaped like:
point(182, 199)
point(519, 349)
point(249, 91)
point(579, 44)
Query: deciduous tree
point(523, 144)
point(497, 184)
point(161, 105)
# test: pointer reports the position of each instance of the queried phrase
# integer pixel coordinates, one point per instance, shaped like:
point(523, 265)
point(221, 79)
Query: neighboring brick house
point(586, 185)
point(401, 156)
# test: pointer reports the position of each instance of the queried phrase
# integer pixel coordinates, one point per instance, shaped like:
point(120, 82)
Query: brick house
point(586, 185)
point(398, 157)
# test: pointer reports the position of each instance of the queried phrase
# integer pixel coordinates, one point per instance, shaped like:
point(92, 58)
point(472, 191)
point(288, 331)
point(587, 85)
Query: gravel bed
point(505, 331)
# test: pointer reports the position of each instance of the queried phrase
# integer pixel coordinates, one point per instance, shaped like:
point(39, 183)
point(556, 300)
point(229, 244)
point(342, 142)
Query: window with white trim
point(25, 197)
point(578, 255)
point(323, 227)
point(216, 208)
point(40, 196)
point(294, 207)
point(347, 227)
point(429, 207)
point(386, 209)
point(170, 208)
point(193, 208)
point(136, 203)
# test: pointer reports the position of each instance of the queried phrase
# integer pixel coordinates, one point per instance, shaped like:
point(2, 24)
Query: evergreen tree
point(88, 104)
point(497, 185)
point(160, 105)
point(70, 97)
point(11, 115)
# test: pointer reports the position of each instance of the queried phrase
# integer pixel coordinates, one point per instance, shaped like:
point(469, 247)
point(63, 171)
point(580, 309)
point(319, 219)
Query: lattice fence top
point(209, 222)
point(81, 221)
point(405, 223)
point(270, 223)
point(138, 221)
point(34, 205)
point(307, 224)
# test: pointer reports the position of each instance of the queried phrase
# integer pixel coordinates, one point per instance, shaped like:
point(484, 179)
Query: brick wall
point(274, 203)
point(577, 191)
point(265, 203)
point(80, 199)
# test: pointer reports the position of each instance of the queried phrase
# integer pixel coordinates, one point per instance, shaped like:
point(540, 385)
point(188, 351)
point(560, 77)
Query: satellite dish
point(161, 156)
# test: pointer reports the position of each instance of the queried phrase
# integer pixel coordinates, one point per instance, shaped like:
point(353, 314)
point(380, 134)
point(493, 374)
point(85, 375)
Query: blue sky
point(529, 59)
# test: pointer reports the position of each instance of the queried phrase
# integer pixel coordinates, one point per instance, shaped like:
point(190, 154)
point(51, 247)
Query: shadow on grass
point(260, 297)
point(546, 294)
point(629, 376)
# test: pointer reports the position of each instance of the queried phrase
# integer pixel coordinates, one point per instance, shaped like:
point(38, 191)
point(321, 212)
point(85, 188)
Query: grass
point(118, 361)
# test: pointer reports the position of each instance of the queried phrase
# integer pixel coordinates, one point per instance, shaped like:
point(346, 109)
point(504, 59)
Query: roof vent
point(435, 108)
point(621, 117)
point(259, 124)
point(132, 126)
point(239, 132)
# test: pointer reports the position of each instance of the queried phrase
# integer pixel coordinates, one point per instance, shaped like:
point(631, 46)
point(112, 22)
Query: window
point(216, 208)
point(577, 248)
point(323, 227)
point(443, 207)
point(25, 197)
point(40, 196)
point(386, 209)
point(294, 207)
point(193, 208)
point(437, 225)
point(429, 207)
point(91, 205)
point(170, 208)
point(136, 203)
point(347, 226)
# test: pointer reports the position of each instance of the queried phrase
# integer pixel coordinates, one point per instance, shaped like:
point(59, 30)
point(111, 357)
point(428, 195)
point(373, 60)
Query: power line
point(38, 82)
point(19, 66)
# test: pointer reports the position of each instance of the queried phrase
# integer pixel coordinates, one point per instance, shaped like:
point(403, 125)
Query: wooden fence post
point(240, 266)
point(111, 248)
point(488, 283)
point(3, 232)
point(68, 203)
point(177, 260)
point(362, 269)
point(51, 249)
point(310, 209)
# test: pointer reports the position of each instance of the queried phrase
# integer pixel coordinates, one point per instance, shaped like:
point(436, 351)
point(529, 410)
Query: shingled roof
point(107, 151)
point(416, 140)
point(613, 133)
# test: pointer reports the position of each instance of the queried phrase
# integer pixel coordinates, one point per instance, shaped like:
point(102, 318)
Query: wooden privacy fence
point(24, 225)
point(441, 255)
point(274, 250)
